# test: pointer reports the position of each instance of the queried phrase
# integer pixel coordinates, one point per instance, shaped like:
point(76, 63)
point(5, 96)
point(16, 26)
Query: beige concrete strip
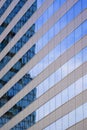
point(82, 125)
point(2, 3)
point(32, 20)
point(69, 53)
point(26, 6)
point(66, 108)
point(22, 72)
point(70, 27)
point(52, 117)
point(27, 25)
point(8, 10)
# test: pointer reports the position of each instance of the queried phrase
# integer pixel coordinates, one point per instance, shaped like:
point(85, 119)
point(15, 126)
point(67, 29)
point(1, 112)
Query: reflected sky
point(70, 119)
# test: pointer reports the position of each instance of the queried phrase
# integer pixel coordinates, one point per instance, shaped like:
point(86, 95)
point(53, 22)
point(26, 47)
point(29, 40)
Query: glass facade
point(58, 51)
point(70, 119)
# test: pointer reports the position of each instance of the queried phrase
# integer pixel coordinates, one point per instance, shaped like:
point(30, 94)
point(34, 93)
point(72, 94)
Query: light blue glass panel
point(71, 65)
point(85, 82)
point(79, 114)
point(39, 3)
point(63, 21)
point(57, 51)
point(52, 126)
point(47, 128)
point(71, 91)
point(77, 8)
point(58, 99)
point(64, 45)
point(45, 16)
point(51, 80)
point(37, 115)
point(59, 124)
point(40, 113)
point(84, 58)
point(85, 110)
point(52, 104)
point(58, 75)
point(51, 33)
point(65, 122)
point(78, 33)
point(78, 59)
point(56, 4)
point(64, 96)
point(84, 4)
point(84, 28)
point(64, 70)
point(70, 14)
point(57, 27)
point(71, 39)
point(78, 86)
point(46, 108)
point(72, 116)
point(50, 11)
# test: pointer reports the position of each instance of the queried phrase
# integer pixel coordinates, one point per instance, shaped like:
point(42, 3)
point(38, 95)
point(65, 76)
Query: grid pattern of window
point(43, 65)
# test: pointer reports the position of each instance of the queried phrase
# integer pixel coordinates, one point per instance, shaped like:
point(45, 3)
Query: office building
point(43, 65)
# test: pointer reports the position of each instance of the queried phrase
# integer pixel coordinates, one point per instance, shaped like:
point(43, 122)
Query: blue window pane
point(40, 112)
point(64, 96)
point(85, 110)
point(84, 28)
point(85, 54)
point(59, 124)
point(57, 27)
point(57, 75)
point(58, 100)
point(65, 122)
point(85, 82)
point(51, 33)
point(71, 65)
point(50, 11)
point(63, 45)
point(79, 114)
point(52, 126)
point(72, 116)
point(52, 104)
point(84, 4)
point(77, 8)
point(63, 21)
point(71, 91)
point(56, 5)
point(78, 33)
point(64, 70)
point(78, 86)
point(46, 109)
point(70, 14)
point(78, 59)
point(71, 39)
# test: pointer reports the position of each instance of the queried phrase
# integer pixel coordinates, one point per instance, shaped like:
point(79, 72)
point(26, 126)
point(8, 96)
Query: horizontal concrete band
point(8, 10)
point(62, 111)
point(41, 31)
point(55, 115)
point(60, 36)
point(82, 125)
point(2, 3)
point(26, 6)
point(24, 28)
point(69, 79)
point(19, 75)
point(47, 72)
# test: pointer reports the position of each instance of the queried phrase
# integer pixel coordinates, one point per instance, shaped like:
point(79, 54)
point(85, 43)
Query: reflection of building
point(24, 80)
point(43, 67)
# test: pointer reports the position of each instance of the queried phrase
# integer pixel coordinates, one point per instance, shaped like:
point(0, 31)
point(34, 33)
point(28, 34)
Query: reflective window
point(5, 6)
point(72, 118)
